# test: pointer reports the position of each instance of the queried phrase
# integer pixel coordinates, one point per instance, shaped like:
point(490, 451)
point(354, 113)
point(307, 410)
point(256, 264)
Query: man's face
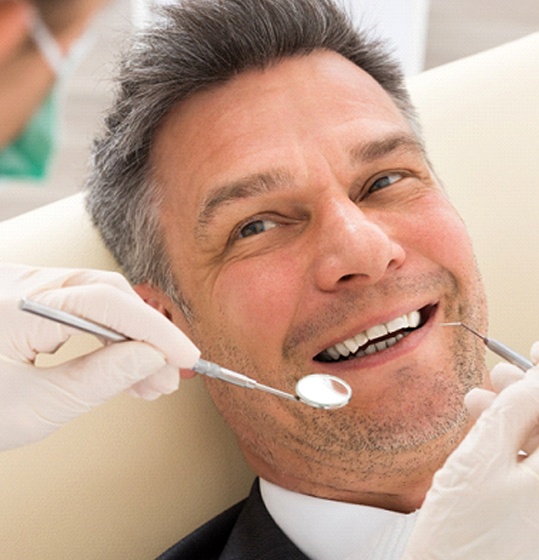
point(302, 220)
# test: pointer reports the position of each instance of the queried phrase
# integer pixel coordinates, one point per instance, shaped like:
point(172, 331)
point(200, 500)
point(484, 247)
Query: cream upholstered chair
point(131, 478)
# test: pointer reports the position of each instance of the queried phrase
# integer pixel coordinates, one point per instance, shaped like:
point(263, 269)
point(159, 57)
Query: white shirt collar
point(330, 530)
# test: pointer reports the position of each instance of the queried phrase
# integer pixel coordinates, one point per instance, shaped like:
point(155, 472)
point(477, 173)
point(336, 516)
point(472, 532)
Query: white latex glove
point(484, 502)
point(501, 376)
point(36, 401)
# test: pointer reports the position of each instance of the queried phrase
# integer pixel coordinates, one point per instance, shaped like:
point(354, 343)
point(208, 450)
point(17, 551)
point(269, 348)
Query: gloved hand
point(484, 502)
point(501, 376)
point(36, 401)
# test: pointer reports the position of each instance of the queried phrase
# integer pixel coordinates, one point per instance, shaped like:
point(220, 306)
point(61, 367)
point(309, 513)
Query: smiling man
point(263, 181)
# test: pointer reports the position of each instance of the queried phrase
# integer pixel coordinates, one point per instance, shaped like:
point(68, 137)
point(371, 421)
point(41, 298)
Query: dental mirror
point(323, 391)
point(318, 390)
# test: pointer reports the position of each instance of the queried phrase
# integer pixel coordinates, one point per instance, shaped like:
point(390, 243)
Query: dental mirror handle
point(202, 367)
point(213, 370)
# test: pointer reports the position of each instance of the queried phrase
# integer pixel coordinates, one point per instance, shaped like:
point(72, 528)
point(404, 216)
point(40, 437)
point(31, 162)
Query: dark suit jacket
point(246, 531)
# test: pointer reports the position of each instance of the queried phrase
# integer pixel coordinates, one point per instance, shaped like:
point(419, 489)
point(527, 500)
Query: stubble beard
point(357, 447)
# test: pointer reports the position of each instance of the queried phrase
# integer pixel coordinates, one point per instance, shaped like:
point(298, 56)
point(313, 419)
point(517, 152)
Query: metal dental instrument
point(497, 347)
point(318, 390)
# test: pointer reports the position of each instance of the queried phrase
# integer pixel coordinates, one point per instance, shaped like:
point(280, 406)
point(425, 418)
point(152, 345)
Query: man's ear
point(159, 300)
point(155, 298)
point(15, 18)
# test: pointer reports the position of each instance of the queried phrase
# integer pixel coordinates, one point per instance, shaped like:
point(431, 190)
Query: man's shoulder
point(208, 541)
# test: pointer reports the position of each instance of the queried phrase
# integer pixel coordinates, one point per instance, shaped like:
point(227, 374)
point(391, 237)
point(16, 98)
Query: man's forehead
point(281, 75)
point(220, 128)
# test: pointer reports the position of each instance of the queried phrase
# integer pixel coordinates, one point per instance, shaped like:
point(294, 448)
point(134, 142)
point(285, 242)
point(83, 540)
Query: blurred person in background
point(40, 42)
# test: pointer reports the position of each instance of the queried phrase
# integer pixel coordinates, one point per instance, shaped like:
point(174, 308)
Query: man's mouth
point(377, 338)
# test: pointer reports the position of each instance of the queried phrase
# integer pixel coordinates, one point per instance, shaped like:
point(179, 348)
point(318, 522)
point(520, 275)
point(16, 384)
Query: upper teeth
point(351, 345)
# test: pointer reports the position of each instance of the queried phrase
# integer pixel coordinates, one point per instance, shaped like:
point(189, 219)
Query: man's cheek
point(455, 251)
point(259, 299)
point(441, 235)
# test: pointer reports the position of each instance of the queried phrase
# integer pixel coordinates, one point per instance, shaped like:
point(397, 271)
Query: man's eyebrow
point(260, 183)
point(376, 149)
point(245, 187)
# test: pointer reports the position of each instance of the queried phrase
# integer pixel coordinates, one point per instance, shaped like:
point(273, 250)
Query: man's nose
point(353, 245)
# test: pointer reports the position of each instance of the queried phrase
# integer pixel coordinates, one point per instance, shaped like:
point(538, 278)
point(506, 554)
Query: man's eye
point(256, 227)
point(385, 181)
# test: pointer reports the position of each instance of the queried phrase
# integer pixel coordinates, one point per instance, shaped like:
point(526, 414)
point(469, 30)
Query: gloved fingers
point(534, 353)
point(478, 400)
point(514, 416)
point(531, 444)
point(17, 279)
point(25, 281)
point(531, 449)
point(163, 382)
point(127, 314)
point(37, 401)
point(85, 277)
point(23, 335)
point(90, 380)
point(503, 374)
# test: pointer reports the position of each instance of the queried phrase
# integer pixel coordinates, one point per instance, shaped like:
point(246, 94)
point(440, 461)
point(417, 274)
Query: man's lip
point(426, 311)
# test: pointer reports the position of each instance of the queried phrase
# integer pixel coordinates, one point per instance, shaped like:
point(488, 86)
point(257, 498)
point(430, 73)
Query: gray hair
point(194, 45)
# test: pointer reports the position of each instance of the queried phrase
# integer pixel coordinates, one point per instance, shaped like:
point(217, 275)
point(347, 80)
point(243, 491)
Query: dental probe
point(318, 390)
point(497, 347)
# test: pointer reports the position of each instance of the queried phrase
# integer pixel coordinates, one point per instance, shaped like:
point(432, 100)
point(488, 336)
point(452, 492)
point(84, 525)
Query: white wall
point(402, 22)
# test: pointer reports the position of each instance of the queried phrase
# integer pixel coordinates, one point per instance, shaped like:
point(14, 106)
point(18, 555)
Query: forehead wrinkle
point(367, 152)
point(245, 187)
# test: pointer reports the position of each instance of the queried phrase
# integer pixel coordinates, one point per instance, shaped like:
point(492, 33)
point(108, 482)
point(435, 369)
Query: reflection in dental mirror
point(323, 391)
